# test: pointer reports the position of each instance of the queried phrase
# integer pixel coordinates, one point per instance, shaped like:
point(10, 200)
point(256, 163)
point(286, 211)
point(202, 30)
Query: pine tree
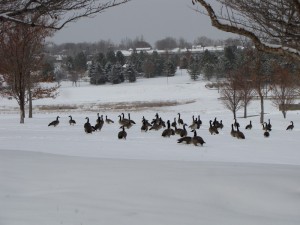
point(194, 69)
point(229, 58)
point(97, 74)
point(111, 57)
point(80, 62)
point(120, 58)
point(108, 68)
point(116, 76)
point(169, 68)
point(100, 58)
point(158, 63)
point(130, 73)
point(208, 64)
point(184, 63)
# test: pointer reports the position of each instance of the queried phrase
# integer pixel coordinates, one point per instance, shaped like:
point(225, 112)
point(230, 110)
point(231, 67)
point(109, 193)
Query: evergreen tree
point(120, 58)
point(184, 64)
point(208, 70)
point(134, 59)
point(80, 62)
point(111, 57)
point(69, 63)
point(169, 68)
point(229, 58)
point(97, 74)
point(158, 63)
point(116, 76)
point(130, 73)
point(194, 69)
point(108, 68)
point(208, 63)
point(100, 58)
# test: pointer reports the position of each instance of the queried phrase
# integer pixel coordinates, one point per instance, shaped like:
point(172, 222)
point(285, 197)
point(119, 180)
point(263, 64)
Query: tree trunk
point(30, 104)
point(245, 111)
point(262, 112)
point(22, 108)
point(284, 114)
point(234, 114)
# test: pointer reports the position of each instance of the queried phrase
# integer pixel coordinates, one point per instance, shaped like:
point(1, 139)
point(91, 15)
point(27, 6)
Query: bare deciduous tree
point(245, 86)
point(230, 94)
point(284, 89)
point(272, 25)
point(259, 80)
point(20, 53)
point(57, 13)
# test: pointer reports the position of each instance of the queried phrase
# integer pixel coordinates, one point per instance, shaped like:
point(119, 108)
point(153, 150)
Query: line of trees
point(261, 75)
point(166, 44)
point(115, 68)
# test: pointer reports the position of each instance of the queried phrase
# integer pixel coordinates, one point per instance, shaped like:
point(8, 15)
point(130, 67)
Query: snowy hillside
point(61, 175)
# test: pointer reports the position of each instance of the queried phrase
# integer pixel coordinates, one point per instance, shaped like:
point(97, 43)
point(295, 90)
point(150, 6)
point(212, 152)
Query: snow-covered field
point(60, 175)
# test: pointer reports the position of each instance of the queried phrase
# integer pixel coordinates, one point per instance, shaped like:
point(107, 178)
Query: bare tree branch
point(30, 11)
point(272, 25)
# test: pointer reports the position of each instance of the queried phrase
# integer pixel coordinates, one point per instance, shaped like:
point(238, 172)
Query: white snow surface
point(61, 175)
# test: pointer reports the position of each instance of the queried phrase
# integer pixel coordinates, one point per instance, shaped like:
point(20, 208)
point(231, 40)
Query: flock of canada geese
point(177, 127)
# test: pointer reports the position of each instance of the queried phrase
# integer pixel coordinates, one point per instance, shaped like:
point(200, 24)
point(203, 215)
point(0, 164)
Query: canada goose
point(269, 125)
point(107, 120)
point(157, 126)
point(194, 124)
point(249, 126)
point(98, 126)
point(162, 122)
point(156, 119)
point(71, 121)
point(291, 126)
point(236, 124)
point(180, 121)
point(87, 126)
point(199, 122)
point(122, 134)
point(144, 126)
point(212, 129)
point(266, 127)
point(131, 121)
point(128, 124)
point(125, 120)
point(186, 139)
point(146, 122)
point(233, 132)
point(168, 132)
point(220, 125)
point(178, 130)
point(99, 123)
point(239, 134)
point(197, 139)
point(174, 123)
point(121, 121)
point(266, 134)
point(216, 123)
point(98, 118)
point(183, 132)
point(54, 122)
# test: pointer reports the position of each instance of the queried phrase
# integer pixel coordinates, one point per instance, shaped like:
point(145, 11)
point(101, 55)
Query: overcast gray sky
point(154, 19)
